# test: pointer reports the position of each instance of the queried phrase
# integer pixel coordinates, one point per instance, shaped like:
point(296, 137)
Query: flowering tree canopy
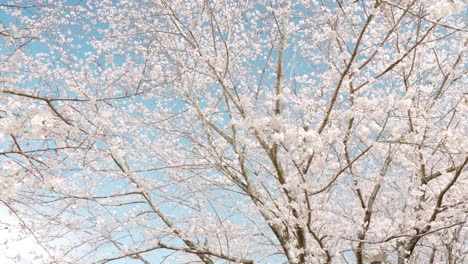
point(236, 131)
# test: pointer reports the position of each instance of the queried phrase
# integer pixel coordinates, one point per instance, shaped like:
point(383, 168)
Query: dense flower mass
point(235, 131)
point(446, 8)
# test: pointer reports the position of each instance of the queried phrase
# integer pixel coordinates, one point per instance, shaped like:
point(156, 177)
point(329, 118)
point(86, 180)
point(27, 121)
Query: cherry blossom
point(235, 131)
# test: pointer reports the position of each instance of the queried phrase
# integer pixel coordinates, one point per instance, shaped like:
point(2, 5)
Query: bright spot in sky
point(13, 251)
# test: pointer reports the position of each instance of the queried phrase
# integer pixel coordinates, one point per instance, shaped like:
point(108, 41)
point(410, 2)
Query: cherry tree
point(220, 131)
